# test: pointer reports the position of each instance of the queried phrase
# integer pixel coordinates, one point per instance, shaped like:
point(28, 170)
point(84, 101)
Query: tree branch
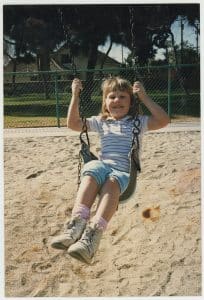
point(9, 42)
point(106, 54)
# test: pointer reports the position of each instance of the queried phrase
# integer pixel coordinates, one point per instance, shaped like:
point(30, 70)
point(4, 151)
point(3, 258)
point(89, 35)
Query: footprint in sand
point(41, 267)
point(188, 181)
point(151, 213)
point(34, 175)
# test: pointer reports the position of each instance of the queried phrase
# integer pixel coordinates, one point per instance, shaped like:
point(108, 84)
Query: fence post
point(169, 91)
point(57, 101)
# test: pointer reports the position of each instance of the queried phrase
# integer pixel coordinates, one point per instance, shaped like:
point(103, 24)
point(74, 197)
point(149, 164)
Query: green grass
point(18, 122)
point(25, 99)
point(32, 110)
point(40, 99)
point(65, 98)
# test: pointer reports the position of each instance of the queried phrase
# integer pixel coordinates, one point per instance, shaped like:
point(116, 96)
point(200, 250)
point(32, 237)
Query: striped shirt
point(116, 139)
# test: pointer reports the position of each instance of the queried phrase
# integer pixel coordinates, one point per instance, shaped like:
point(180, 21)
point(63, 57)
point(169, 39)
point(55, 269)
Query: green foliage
point(40, 29)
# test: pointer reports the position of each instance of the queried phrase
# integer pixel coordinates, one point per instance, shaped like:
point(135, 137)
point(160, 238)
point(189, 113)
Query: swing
point(85, 155)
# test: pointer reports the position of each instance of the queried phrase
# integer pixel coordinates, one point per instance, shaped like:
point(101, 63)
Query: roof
point(54, 65)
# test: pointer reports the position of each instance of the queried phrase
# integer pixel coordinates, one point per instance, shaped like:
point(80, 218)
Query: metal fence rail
point(41, 98)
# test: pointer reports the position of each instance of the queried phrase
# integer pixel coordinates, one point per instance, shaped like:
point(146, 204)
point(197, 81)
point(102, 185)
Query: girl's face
point(118, 104)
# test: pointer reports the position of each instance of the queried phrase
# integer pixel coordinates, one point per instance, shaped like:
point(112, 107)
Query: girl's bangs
point(118, 86)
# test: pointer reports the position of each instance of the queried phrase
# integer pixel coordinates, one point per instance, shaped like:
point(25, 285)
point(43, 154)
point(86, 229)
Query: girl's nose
point(117, 98)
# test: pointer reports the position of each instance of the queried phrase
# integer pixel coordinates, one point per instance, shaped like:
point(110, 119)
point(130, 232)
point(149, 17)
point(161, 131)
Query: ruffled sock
point(82, 211)
point(100, 222)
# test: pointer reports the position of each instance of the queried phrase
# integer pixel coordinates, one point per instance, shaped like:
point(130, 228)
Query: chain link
point(83, 131)
point(133, 31)
point(133, 34)
point(67, 34)
point(79, 170)
point(135, 132)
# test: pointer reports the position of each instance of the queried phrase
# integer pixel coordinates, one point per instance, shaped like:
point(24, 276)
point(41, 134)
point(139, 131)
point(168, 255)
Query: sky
point(188, 35)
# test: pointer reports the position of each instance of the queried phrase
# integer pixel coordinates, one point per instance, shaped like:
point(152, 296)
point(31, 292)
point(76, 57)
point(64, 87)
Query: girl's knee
point(112, 186)
point(89, 180)
point(113, 181)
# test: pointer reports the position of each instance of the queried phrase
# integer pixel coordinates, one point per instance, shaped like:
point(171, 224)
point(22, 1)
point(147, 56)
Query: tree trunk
point(86, 103)
point(43, 62)
point(18, 47)
point(106, 55)
point(178, 69)
point(17, 54)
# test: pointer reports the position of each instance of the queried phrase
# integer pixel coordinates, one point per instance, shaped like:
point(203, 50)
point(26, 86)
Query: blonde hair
point(114, 84)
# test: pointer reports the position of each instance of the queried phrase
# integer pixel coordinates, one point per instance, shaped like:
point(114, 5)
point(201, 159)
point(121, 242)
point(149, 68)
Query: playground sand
point(152, 246)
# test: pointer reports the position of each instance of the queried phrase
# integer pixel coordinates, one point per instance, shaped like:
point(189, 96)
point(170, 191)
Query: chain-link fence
point(42, 98)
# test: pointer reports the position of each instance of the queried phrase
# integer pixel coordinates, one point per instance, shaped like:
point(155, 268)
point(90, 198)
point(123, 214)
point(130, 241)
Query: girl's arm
point(159, 117)
point(73, 117)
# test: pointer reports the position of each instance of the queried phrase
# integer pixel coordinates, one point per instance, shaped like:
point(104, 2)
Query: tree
point(139, 27)
point(87, 30)
point(189, 54)
point(13, 35)
point(153, 23)
point(32, 30)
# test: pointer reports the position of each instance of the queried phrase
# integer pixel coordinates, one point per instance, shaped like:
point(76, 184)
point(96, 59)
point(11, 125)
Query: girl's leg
point(108, 202)
point(85, 197)
point(80, 215)
point(87, 246)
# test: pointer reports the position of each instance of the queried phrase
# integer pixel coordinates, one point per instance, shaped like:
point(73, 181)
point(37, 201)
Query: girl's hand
point(76, 86)
point(139, 89)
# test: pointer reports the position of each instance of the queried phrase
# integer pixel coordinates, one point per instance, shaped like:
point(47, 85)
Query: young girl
point(109, 175)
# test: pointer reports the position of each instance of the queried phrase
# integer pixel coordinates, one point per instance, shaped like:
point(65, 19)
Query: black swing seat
point(134, 169)
point(85, 154)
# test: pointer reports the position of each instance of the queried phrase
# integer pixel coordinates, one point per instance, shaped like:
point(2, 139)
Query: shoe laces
point(91, 237)
point(70, 227)
point(88, 235)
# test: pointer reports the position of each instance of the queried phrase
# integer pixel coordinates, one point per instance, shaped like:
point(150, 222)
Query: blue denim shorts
point(101, 171)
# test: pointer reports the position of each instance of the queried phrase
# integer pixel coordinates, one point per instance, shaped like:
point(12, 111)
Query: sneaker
point(86, 247)
point(72, 233)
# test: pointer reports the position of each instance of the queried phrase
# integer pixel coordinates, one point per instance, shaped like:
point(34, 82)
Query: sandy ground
point(152, 246)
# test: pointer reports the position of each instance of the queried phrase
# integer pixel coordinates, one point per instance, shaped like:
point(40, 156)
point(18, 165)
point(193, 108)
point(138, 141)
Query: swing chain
point(84, 130)
point(134, 44)
point(135, 143)
point(136, 132)
point(67, 34)
point(79, 171)
point(133, 34)
point(85, 148)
